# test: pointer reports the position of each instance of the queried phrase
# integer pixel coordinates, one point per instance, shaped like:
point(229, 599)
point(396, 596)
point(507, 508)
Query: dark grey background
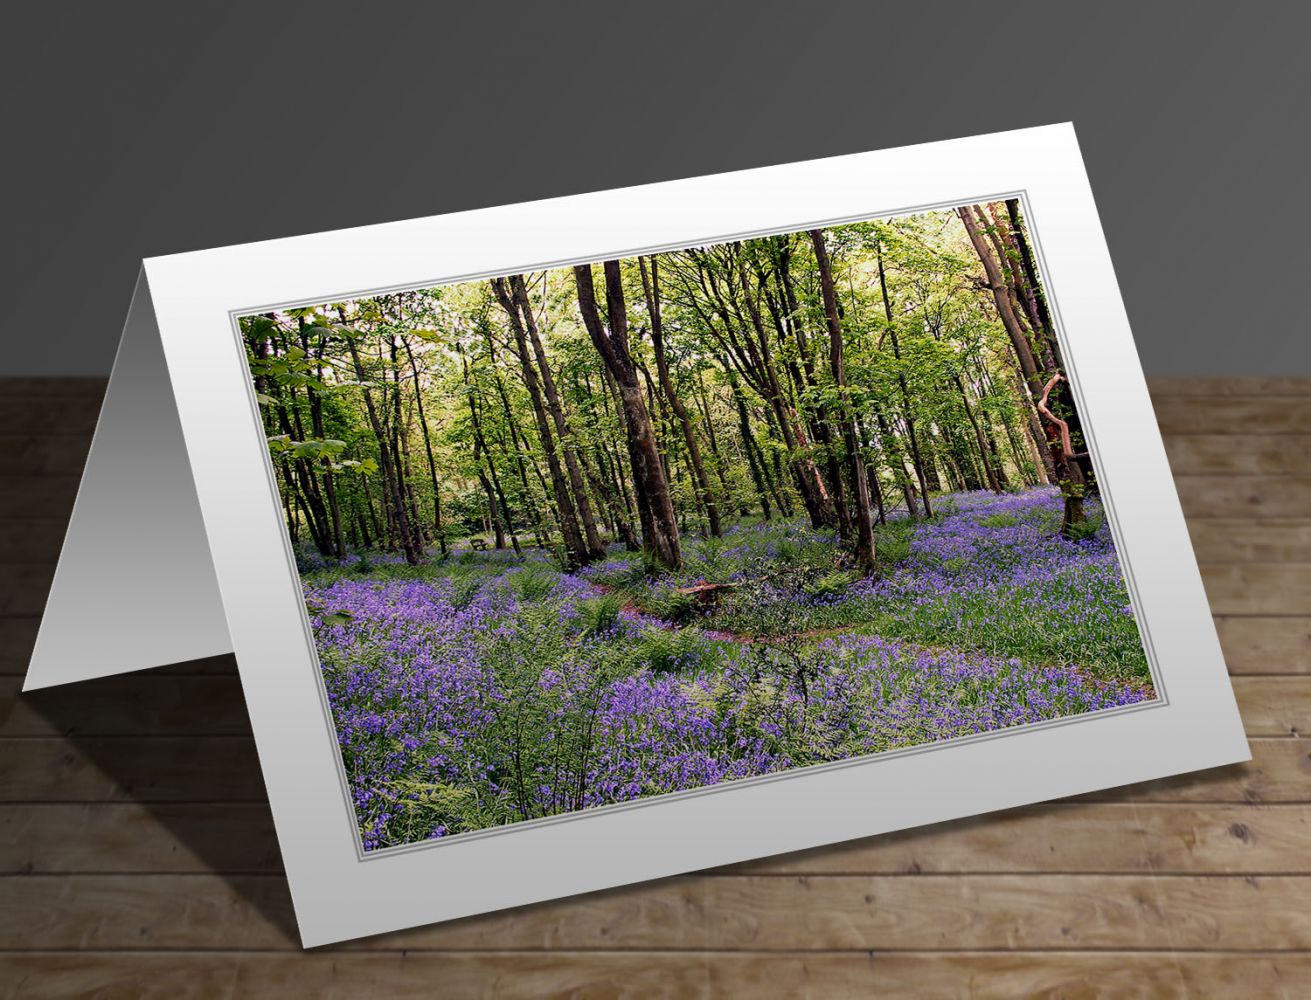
point(133, 130)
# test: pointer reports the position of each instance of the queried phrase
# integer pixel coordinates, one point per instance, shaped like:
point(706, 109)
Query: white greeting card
point(580, 542)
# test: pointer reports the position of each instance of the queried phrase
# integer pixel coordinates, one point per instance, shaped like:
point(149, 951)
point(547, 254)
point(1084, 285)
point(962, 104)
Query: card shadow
point(176, 741)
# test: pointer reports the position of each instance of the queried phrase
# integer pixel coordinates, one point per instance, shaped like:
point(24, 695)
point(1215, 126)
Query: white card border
point(336, 894)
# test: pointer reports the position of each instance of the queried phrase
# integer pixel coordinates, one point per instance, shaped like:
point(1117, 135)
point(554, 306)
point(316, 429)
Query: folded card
point(574, 543)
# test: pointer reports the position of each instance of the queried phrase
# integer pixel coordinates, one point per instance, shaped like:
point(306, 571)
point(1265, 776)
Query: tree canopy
point(843, 373)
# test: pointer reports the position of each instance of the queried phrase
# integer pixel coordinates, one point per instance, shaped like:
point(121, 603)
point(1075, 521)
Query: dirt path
point(724, 635)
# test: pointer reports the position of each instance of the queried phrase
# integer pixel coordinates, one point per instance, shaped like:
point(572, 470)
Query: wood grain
point(1250, 497)
point(43, 455)
point(716, 913)
point(1239, 454)
point(1266, 645)
point(37, 497)
point(1258, 588)
point(834, 976)
point(1268, 415)
point(137, 855)
point(49, 415)
point(1066, 837)
point(157, 703)
point(1230, 540)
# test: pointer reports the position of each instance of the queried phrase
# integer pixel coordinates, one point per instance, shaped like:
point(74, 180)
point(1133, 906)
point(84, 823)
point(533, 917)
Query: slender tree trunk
point(865, 562)
point(651, 289)
point(660, 538)
point(916, 460)
point(993, 479)
point(390, 474)
point(595, 547)
point(576, 549)
point(427, 447)
point(496, 502)
point(401, 442)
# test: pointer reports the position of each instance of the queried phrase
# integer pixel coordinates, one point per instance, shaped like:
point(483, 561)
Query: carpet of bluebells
point(491, 688)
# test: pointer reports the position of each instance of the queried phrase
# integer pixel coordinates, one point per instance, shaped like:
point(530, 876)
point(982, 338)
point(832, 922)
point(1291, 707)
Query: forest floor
point(490, 687)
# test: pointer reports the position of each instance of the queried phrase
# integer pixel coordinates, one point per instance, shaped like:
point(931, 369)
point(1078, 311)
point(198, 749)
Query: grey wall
point(132, 130)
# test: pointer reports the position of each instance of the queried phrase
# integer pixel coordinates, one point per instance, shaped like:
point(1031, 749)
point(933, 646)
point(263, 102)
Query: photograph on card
point(580, 536)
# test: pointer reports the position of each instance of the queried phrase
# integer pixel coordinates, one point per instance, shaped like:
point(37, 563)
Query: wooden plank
point(44, 454)
point(1263, 645)
point(24, 387)
point(1265, 415)
point(681, 975)
point(1113, 838)
point(1244, 541)
point(49, 497)
point(756, 913)
point(1274, 706)
point(17, 637)
point(1066, 837)
point(1239, 454)
point(1085, 975)
point(208, 769)
point(125, 837)
point(226, 769)
point(1246, 497)
point(32, 541)
point(152, 912)
point(131, 704)
point(24, 588)
point(1279, 771)
point(169, 976)
point(1229, 385)
point(1258, 588)
point(72, 414)
point(954, 913)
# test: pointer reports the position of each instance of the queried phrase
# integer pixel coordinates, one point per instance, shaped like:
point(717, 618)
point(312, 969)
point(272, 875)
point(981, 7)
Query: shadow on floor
point(210, 795)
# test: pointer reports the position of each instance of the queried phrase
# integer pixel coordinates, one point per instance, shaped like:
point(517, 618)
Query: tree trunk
point(1067, 471)
point(390, 474)
point(427, 447)
point(576, 550)
point(865, 562)
point(651, 289)
point(595, 547)
point(915, 458)
point(660, 538)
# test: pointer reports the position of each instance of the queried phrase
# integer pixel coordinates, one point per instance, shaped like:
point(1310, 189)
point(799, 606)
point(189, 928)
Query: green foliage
point(599, 614)
point(532, 583)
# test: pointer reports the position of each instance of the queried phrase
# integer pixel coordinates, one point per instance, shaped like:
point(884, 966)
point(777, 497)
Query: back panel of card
point(135, 584)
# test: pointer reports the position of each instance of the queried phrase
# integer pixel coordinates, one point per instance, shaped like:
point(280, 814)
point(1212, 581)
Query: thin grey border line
point(1161, 700)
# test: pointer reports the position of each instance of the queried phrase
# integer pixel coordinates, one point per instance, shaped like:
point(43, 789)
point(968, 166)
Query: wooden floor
point(138, 856)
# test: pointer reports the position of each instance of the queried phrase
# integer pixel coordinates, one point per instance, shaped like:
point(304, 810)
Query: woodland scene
point(574, 537)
